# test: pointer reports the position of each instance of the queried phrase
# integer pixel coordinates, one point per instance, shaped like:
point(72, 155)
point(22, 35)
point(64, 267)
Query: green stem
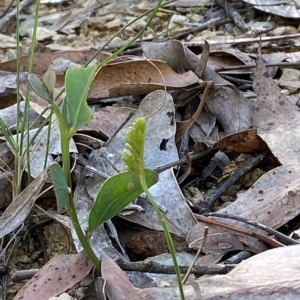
point(81, 236)
point(167, 234)
point(65, 139)
point(66, 136)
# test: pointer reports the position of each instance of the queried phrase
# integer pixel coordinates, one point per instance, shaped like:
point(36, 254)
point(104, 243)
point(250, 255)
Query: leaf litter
point(249, 108)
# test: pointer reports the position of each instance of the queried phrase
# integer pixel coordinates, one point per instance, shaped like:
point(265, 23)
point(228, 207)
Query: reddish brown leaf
point(136, 77)
point(59, 274)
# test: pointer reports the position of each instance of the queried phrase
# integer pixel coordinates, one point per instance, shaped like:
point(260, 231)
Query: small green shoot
point(49, 81)
point(133, 156)
point(75, 113)
point(40, 88)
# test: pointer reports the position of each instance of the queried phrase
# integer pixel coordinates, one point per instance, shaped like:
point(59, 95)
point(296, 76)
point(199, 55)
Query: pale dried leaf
point(160, 149)
point(273, 201)
point(18, 210)
point(100, 241)
point(9, 116)
point(283, 8)
point(276, 118)
point(273, 274)
point(117, 284)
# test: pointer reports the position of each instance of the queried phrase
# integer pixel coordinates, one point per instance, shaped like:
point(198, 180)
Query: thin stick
point(196, 256)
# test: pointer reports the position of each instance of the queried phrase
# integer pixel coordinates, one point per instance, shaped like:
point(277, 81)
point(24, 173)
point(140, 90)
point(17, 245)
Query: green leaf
point(133, 155)
point(115, 194)
point(61, 189)
point(75, 110)
point(40, 88)
point(49, 81)
point(8, 136)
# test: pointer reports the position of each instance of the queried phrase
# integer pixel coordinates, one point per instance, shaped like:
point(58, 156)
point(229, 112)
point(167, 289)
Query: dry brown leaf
point(136, 77)
point(229, 57)
point(242, 142)
point(107, 120)
point(273, 201)
point(276, 118)
point(59, 274)
point(152, 243)
point(228, 104)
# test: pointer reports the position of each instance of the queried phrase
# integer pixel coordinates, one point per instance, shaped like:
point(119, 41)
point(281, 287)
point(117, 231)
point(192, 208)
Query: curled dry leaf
point(227, 103)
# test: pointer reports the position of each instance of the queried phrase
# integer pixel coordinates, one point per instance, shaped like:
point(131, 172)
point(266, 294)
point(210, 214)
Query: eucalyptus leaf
point(40, 88)
point(115, 194)
point(61, 189)
point(75, 110)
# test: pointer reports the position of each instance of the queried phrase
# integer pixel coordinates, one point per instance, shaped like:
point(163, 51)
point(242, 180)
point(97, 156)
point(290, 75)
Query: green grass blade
point(6, 132)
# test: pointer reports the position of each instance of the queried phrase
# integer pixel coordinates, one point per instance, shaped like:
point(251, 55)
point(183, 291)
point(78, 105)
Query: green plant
point(123, 188)
point(73, 114)
point(21, 122)
point(117, 191)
